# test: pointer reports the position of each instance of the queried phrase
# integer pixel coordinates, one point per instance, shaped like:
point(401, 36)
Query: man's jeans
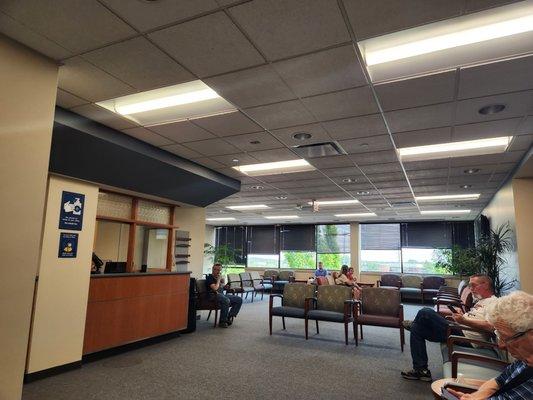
point(427, 325)
point(226, 302)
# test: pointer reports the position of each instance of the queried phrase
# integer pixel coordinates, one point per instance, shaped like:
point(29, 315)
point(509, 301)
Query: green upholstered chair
point(332, 304)
point(411, 287)
point(380, 307)
point(292, 302)
point(389, 281)
point(260, 285)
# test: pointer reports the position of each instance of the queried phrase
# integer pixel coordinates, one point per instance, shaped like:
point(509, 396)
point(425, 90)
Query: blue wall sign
point(71, 213)
point(68, 245)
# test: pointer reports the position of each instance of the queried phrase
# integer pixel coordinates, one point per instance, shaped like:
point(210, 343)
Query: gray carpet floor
point(243, 361)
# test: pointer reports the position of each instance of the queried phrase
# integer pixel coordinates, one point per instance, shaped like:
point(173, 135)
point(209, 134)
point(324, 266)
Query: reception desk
point(125, 308)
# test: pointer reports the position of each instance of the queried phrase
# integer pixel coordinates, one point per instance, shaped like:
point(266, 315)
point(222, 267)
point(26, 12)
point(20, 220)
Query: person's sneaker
point(407, 324)
point(223, 325)
point(230, 321)
point(418, 374)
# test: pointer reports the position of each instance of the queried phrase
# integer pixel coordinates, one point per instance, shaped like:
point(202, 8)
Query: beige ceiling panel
point(254, 141)
point(497, 77)
point(212, 147)
point(384, 16)
point(478, 5)
point(103, 116)
point(322, 72)
point(208, 45)
point(318, 135)
point(285, 28)
point(281, 115)
point(343, 171)
point(423, 137)
point(381, 168)
point(526, 127)
point(346, 103)
point(281, 154)
point(292, 177)
point(82, 79)
point(489, 159)
point(209, 163)
point(146, 15)
point(428, 173)
point(364, 145)
point(251, 87)
point(522, 142)
point(77, 25)
point(302, 183)
point(351, 128)
point(427, 164)
point(66, 100)
point(228, 171)
point(330, 162)
point(378, 157)
point(390, 179)
point(147, 136)
point(426, 117)
point(504, 127)
point(182, 151)
point(181, 132)
point(140, 64)
point(227, 159)
point(234, 123)
point(416, 92)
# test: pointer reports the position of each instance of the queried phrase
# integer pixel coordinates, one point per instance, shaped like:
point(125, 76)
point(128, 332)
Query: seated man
point(229, 304)
point(429, 325)
point(321, 271)
point(512, 316)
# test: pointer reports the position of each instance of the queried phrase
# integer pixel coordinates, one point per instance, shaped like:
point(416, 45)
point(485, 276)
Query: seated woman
point(342, 279)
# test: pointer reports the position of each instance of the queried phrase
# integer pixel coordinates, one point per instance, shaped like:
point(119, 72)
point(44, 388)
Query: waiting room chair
point(292, 302)
point(206, 300)
point(389, 281)
point(464, 303)
point(283, 277)
point(247, 284)
point(411, 287)
point(431, 286)
point(259, 284)
point(379, 307)
point(321, 281)
point(331, 304)
point(236, 285)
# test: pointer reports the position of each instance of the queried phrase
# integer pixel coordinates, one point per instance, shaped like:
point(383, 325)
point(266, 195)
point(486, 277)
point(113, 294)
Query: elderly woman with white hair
point(512, 318)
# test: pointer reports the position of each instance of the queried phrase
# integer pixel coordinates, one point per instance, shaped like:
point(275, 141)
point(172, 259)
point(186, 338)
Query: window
point(420, 261)
point(297, 245)
point(262, 247)
point(333, 245)
point(380, 248)
point(234, 240)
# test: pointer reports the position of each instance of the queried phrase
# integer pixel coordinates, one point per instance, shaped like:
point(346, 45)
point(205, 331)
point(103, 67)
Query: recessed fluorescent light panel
point(455, 149)
point(221, 219)
point(169, 104)
point(443, 212)
point(369, 214)
point(249, 207)
point(282, 217)
point(274, 168)
point(487, 35)
point(334, 202)
point(455, 197)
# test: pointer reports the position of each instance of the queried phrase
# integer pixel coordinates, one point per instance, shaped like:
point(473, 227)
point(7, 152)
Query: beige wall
point(192, 219)
point(209, 238)
point(28, 85)
point(354, 248)
point(111, 241)
point(523, 205)
point(61, 297)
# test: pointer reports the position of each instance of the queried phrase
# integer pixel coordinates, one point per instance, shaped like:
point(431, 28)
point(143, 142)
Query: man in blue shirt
point(229, 304)
point(321, 271)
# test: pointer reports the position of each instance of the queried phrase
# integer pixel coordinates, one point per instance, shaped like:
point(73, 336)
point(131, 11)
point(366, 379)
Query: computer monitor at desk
point(113, 267)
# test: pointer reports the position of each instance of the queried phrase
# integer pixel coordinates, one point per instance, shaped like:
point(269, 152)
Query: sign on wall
point(71, 214)
point(68, 245)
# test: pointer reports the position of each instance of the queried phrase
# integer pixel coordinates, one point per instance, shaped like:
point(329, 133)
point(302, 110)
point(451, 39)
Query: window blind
point(380, 236)
point(297, 237)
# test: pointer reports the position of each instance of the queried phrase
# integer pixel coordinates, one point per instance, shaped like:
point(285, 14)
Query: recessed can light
point(362, 192)
point(281, 197)
point(492, 109)
point(302, 136)
point(257, 187)
point(235, 160)
point(364, 145)
point(465, 186)
point(349, 180)
point(471, 171)
point(255, 142)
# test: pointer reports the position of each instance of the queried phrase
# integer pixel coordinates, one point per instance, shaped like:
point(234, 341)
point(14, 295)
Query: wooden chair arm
point(271, 299)
point(452, 339)
point(459, 355)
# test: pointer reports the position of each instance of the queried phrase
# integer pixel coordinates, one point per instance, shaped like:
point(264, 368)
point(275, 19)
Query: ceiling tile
point(522, 142)
point(229, 124)
point(292, 177)
point(227, 159)
point(322, 72)
point(343, 171)
point(82, 79)
point(281, 154)
point(145, 15)
point(284, 28)
point(209, 163)
point(181, 132)
point(303, 183)
point(66, 100)
point(517, 104)
point(526, 127)
point(346, 103)
point(503, 127)
point(363, 145)
point(415, 92)
point(378, 157)
point(139, 63)
point(426, 164)
point(246, 142)
point(381, 168)
point(356, 127)
point(147, 136)
point(77, 25)
point(423, 137)
point(420, 118)
point(181, 151)
point(318, 133)
point(251, 87)
point(497, 77)
point(208, 45)
point(103, 116)
point(330, 162)
point(212, 147)
point(280, 115)
point(477, 5)
point(383, 16)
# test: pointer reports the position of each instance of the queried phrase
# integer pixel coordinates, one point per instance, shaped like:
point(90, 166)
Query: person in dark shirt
point(229, 304)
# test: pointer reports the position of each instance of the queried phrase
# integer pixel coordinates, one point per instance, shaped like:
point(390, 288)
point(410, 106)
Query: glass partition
point(111, 241)
point(150, 248)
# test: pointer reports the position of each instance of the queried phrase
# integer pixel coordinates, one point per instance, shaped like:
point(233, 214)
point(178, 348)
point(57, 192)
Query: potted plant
point(222, 254)
point(458, 261)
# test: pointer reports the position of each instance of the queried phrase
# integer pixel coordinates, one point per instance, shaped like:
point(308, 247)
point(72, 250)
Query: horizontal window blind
point(380, 236)
point(333, 239)
point(430, 235)
point(263, 239)
point(297, 237)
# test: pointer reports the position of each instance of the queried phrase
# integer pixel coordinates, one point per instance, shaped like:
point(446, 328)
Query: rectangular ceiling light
point(334, 202)
point(368, 214)
point(221, 219)
point(273, 168)
point(249, 207)
point(169, 104)
point(455, 149)
point(487, 35)
point(473, 196)
point(282, 217)
point(441, 212)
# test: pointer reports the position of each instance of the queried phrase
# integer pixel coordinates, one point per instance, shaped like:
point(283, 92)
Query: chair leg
point(361, 329)
point(354, 331)
point(317, 332)
point(346, 333)
point(216, 318)
point(402, 337)
point(209, 315)
point(270, 323)
point(306, 329)
point(253, 296)
point(262, 294)
point(283, 321)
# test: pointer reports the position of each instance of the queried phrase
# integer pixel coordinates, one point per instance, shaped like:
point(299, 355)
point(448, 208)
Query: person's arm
point(474, 323)
point(216, 285)
point(484, 392)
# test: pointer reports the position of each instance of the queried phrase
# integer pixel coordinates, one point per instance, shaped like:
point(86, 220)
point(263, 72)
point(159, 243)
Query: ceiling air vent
point(319, 150)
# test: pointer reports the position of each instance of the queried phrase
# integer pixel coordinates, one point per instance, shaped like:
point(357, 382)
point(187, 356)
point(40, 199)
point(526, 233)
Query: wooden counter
point(125, 308)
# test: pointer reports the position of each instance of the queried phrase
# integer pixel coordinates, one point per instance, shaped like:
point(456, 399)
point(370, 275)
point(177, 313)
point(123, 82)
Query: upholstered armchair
point(431, 286)
point(292, 302)
point(411, 287)
point(283, 277)
point(206, 300)
point(390, 281)
point(332, 304)
point(260, 285)
point(464, 303)
point(379, 307)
